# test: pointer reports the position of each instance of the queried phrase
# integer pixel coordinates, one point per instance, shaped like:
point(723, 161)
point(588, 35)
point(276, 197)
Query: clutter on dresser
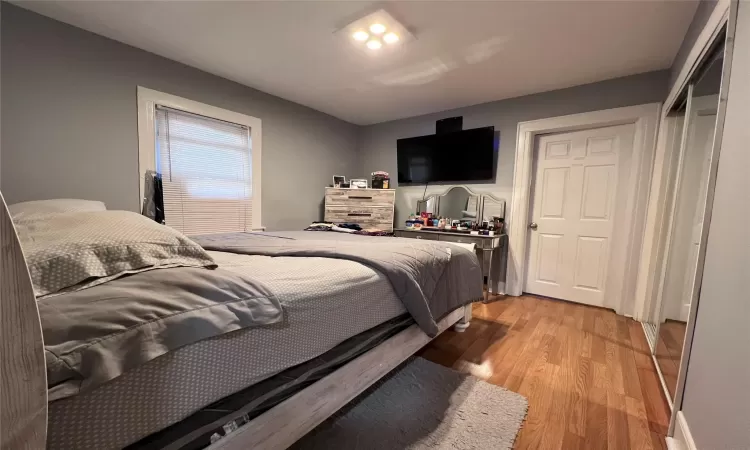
point(359, 183)
point(426, 221)
point(380, 180)
point(350, 228)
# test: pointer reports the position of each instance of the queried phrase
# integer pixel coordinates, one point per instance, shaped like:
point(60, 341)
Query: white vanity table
point(483, 243)
point(459, 202)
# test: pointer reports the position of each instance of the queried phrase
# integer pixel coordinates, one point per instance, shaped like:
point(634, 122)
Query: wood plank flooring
point(669, 351)
point(587, 372)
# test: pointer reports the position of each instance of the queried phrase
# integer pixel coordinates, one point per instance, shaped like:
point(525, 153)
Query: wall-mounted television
point(466, 155)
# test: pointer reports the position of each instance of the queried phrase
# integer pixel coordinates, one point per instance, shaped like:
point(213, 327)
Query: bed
point(329, 296)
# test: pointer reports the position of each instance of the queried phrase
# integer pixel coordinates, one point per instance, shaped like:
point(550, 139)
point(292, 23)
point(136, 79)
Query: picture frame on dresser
point(358, 183)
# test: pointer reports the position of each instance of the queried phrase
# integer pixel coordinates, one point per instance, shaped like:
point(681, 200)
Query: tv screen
point(466, 155)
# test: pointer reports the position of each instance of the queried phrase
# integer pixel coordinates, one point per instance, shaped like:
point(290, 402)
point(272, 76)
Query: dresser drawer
point(486, 243)
point(468, 239)
point(355, 214)
point(364, 222)
point(417, 235)
point(359, 197)
point(376, 224)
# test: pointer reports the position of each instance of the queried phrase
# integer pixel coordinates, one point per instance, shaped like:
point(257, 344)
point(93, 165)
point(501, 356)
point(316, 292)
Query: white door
point(702, 136)
point(575, 198)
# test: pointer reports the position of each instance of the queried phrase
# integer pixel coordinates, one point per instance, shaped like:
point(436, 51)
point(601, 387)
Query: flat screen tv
point(466, 155)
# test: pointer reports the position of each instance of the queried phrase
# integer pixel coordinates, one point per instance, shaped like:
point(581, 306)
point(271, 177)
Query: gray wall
point(716, 400)
point(69, 122)
point(378, 149)
point(702, 13)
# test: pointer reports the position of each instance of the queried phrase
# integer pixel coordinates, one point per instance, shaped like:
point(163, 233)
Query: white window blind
point(206, 172)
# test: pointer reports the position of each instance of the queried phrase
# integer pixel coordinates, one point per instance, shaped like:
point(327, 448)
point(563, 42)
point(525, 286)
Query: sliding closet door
point(688, 208)
point(673, 125)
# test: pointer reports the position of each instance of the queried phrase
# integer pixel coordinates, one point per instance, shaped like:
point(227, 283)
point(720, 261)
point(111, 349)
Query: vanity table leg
point(489, 276)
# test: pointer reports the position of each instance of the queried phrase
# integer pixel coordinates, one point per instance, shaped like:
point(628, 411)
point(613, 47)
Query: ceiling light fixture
point(377, 28)
point(390, 38)
point(377, 32)
point(360, 35)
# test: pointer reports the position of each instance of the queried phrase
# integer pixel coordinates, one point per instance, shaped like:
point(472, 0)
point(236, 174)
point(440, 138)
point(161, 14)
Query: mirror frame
point(481, 199)
point(470, 193)
point(492, 198)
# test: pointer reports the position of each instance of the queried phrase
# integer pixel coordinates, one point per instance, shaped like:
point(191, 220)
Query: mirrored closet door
point(695, 126)
point(674, 124)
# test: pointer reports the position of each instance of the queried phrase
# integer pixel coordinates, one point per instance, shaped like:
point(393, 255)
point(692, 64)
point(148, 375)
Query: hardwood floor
point(669, 351)
point(587, 372)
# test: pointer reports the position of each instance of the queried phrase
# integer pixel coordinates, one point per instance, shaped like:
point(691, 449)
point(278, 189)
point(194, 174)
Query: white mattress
point(326, 301)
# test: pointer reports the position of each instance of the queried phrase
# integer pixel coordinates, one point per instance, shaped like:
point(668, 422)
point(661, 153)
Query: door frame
point(646, 119)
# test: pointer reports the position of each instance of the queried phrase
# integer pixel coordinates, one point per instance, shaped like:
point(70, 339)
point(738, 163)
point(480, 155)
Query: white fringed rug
point(423, 405)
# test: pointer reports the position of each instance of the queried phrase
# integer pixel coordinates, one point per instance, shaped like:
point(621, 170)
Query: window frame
point(147, 101)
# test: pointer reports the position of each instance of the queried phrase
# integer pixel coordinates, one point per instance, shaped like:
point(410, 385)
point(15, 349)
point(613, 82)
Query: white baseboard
point(682, 439)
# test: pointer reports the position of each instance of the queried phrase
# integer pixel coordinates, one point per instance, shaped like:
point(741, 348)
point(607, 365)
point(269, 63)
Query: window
point(209, 160)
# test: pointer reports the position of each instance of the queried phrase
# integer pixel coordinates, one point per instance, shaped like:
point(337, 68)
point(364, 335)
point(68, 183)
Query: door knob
point(533, 225)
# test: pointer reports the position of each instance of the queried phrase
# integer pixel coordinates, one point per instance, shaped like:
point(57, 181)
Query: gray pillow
point(72, 251)
point(39, 208)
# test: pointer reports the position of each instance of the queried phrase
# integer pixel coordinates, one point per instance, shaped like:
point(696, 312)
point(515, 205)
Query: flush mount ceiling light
point(390, 38)
point(376, 32)
point(377, 28)
point(360, 35)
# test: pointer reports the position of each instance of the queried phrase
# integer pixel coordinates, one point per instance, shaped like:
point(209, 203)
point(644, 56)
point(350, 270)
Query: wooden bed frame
point(23, 373)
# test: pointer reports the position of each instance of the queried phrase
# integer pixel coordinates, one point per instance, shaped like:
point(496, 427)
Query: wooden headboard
point(23, 374)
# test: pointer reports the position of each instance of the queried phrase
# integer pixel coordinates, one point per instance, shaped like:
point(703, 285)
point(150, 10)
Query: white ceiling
point(465, 52)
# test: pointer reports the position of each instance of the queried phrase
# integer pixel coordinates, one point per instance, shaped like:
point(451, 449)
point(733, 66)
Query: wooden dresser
point(370, 208)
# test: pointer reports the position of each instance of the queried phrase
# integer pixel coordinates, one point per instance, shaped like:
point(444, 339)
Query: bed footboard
point(23, 374)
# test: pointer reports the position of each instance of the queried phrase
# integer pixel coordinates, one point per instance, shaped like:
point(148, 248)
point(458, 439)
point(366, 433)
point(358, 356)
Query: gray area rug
point(423, 405)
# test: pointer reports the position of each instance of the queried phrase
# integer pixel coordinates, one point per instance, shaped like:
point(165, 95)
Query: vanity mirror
point(492, 207)
point(428, 205)
point(458, 203)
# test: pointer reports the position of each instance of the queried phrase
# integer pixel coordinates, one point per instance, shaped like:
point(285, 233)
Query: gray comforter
point(431, 278)
point(94, 335)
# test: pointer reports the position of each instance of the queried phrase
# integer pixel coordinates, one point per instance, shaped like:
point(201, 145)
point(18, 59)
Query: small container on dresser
point(369, 208)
